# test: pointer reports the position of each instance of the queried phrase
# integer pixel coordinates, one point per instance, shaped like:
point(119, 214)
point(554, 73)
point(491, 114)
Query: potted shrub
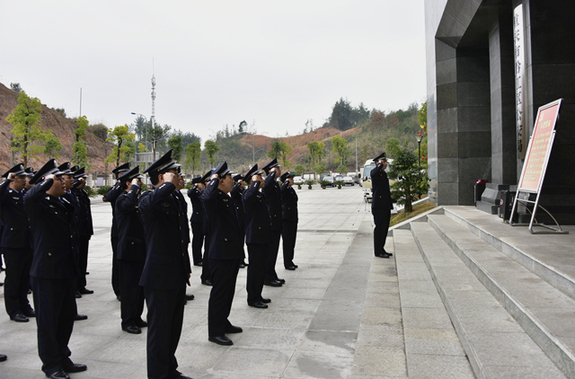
point(324, 183)
point(339, 183)
point(103, 190)
point(309, 183)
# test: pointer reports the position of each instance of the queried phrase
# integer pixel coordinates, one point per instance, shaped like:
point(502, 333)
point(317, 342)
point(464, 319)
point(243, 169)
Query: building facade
point(490, 65)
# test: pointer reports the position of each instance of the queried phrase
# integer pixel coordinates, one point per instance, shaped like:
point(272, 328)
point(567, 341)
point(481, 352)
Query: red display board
point(539, 148)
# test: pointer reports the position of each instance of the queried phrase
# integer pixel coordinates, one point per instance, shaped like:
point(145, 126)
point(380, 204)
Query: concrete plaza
point(342, 314)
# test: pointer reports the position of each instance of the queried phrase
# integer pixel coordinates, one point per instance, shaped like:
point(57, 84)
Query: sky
point(275, 64)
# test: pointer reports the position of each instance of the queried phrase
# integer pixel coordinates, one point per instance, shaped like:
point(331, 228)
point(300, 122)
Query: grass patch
point(417, 209)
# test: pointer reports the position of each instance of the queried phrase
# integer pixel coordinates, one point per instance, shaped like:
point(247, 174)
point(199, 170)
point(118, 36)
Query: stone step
point(505, 237)
point(495, 344)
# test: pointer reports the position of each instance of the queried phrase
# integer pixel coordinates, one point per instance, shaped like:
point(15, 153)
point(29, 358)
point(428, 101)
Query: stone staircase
point(513, 312)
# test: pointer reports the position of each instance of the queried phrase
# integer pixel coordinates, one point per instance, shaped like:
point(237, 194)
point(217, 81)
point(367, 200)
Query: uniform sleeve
point(114, 192)
point(156, 196)
point(249, 197)
point(129, 202)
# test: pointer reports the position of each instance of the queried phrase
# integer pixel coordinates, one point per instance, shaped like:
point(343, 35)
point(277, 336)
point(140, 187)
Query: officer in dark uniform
point(166, 269)
point(197, 219)
point(85, 224)
point(131, 251)
point(272, 193)
point(236, 195)
point(224, 253)
point(16, 244)
point(381, 205)
point(289, 219)
point(113, 193)
point(257, 237)
point(54, 270)
point(184, 216)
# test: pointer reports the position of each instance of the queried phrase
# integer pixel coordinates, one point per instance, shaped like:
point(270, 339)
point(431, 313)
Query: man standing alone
point(380, 205)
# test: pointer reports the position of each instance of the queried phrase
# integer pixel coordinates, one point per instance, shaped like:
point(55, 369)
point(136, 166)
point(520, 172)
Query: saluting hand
point(172, 178)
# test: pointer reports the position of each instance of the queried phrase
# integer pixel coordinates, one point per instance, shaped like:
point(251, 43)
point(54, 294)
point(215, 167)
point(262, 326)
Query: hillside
point(62, 127)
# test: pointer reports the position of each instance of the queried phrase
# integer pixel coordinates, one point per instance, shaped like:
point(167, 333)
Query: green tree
point(281, 150)
point(342, 169)
point(79, 148)
point(121, 151)
point(316, 150)
point(211, 149)
point(52, 148)
point(422, 120)
point(412, 181)
point(340, 148)
point(193, 154)
point(175, 143)
point(26, 129)
point(319, 169)
point(157, 136)
point(299, 169)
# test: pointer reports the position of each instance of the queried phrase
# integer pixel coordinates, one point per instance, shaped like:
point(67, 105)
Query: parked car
point(338, 177)
point(329, 179)
point(298, 180)
point(348, 180)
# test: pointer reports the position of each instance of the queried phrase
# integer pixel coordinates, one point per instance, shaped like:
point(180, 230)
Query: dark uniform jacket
point(184, 217)
point(54, 246)
point(272, 194)
point(224, 238)
point(380, 187)
point(257, 215)
point(236, 193)
point(16, 225)
point(197, 207)
point(289, 202)
point(167, 262)
point(84, 212)
point(131, 233)
point(113, 193)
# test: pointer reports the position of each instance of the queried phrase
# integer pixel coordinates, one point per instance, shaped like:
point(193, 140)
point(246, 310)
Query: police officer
point(381, 205)
point(54, 270)
point(272, 193)
point(236, 195)
point(16, 244)
point(166, 269)
point(224, 253)
point(113, 193)
point(197, 219)
point(131, 251)
point(289, 219)
point(85, 224)
point(257, 237)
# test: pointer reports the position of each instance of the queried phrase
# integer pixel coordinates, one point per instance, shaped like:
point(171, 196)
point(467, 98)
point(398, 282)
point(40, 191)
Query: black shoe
point(221, 340)
point(75, 367)
point(266, 301)
point(19, 317)
point(233, 329)
point(242, 265)
point(132, 329)
point(80, 317)
point(58, 375)
point(273, 283)
point(179, 375)
point(29, 313)
point(383, 255)
point(258, 304)
point(85, 291)
point(291, 268)
point(78, 295)
point(282, 281)
point(141, 323)
point(3, 357)
point(1, 284)
point(190, 297)
point(207, 282)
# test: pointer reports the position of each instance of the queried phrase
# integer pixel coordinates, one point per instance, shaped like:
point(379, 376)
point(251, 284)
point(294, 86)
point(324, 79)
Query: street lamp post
point(419, 138)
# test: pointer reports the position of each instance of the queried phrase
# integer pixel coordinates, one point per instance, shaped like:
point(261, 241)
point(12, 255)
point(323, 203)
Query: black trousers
point(256, 270)
point(132, 304)
point(115, 267)
point(381, 219)
point(17, 282)
point(289, 235)
point(272, 258)
point(55, 303)
point(197, 242)
point(224, 275)
point(165, 317)
point(83, 245)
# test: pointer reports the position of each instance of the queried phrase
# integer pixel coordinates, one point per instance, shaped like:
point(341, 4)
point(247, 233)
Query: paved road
point(338, 316)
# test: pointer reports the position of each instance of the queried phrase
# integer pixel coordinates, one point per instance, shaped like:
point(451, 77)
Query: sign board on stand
point(536, 161)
